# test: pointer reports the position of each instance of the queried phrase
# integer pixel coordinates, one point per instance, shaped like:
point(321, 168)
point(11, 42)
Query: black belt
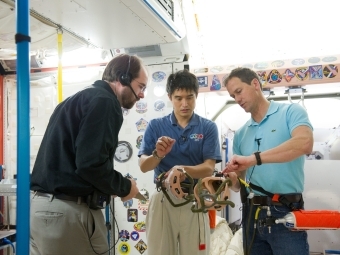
point(266, 201)
point(78, 199)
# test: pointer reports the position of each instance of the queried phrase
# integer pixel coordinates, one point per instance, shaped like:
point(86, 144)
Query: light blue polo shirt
point(194, 144)
point(275, 128)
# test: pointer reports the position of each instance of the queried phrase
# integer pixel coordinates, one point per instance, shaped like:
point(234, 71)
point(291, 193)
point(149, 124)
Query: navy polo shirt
point(194, 144)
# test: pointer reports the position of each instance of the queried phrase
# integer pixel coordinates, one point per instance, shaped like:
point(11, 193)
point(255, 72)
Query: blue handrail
point(23, 129)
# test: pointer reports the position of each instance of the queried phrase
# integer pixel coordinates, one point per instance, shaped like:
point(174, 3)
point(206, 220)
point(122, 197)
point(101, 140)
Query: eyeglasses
point(141, 86)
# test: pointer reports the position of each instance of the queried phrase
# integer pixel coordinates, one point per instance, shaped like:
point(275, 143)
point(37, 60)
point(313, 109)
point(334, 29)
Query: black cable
point(258, 149)
point(87, 222)
point(245, 248)
point(247, 251)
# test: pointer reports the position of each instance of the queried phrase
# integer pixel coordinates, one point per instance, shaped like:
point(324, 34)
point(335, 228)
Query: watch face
point(123, 151)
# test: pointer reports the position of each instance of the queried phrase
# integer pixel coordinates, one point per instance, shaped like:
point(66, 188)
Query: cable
point(258, 149)
point(113, 246)
point(247, 251)
point(7, 241)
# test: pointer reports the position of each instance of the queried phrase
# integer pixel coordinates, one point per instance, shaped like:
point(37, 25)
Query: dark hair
point(182, 79)
point(119, 65)
point(246, 75)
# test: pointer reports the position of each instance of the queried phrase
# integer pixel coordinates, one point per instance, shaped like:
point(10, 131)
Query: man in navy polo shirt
point(182, 139)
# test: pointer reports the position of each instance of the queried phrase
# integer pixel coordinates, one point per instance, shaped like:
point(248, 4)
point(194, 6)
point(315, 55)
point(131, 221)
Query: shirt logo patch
point(273, 130)
point(196, 137)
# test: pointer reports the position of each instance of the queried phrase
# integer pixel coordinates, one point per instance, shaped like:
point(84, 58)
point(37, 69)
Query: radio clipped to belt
point(98, 200)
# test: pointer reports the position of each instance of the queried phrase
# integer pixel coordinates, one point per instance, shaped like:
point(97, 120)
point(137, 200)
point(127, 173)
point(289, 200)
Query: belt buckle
point(253, 201)
point(256, 203)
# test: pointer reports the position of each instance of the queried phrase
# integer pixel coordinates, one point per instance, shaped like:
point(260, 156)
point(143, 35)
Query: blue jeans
point(281, 240)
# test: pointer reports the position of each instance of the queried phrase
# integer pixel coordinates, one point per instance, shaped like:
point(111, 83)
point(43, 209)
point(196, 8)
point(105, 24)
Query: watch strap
point(258, 158)
point(154, 154)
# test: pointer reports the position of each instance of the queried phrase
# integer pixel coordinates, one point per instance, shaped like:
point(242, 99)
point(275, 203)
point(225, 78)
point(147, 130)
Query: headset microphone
point(137, 97)
point(126, 78)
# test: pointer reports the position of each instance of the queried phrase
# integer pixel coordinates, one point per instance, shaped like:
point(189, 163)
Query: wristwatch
point(258, 158)
point(154, 154)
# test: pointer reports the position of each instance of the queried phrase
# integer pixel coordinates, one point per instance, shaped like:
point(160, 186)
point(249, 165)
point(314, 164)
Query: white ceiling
point(230, 32)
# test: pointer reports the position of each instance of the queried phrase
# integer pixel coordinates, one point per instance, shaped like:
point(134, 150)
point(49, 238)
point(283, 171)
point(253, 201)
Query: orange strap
point(212, 218)
point(275, 198)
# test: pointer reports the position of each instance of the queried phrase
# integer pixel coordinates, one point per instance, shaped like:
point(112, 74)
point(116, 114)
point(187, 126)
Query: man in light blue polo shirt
point(269, 154)
point(181, 139)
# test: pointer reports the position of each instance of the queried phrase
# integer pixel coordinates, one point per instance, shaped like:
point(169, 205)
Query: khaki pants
point(60, 227)
point(175, 230)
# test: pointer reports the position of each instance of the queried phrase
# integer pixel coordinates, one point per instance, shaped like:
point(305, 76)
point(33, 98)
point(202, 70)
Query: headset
point(126, 78)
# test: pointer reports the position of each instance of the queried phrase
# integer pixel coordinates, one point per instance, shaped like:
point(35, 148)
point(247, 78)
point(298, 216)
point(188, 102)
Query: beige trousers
point(61, 227)
point(175, 230)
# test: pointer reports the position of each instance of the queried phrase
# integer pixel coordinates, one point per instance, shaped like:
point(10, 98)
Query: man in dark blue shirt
point(73, 175)
point(185, 140)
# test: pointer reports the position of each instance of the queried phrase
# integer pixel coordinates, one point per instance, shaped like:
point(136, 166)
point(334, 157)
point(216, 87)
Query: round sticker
point(261, 65)
point(124, 248)
point(278, 63)
point(124, 235)
point(141, 106)
point(314, 60)
point(123, 151)
point(139, 141)
point(134, 235)
point(298, 61)
point(159, 105)
point(158, 76)
point(329, 59)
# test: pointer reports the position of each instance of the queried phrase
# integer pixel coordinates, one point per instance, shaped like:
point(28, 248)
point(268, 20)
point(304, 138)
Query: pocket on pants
point(48, 217)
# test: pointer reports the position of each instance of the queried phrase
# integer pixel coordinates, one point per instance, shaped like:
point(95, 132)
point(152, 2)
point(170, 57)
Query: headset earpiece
point(125, 78)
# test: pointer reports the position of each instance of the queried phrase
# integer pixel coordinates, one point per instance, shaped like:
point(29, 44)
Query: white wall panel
point(130, 133)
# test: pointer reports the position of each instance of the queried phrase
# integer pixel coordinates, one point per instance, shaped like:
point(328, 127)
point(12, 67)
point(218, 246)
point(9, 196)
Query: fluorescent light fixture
point(159, 12)
point(165, 17)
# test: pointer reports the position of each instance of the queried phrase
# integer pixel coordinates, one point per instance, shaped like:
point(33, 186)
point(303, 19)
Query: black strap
point(282, 199)
point(262, 190)
point(258, 158)
point(22, 38)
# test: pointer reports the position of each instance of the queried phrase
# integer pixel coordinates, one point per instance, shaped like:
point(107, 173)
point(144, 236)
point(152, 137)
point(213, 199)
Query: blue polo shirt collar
point(273, 107)
point(193, 121)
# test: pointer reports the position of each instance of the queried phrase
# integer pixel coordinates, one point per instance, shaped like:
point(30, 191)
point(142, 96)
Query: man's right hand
point(164, 145)
point(133, 191)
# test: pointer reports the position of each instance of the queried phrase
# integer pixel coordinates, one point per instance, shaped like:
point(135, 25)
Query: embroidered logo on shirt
point(196, 137)
point(273, 130)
